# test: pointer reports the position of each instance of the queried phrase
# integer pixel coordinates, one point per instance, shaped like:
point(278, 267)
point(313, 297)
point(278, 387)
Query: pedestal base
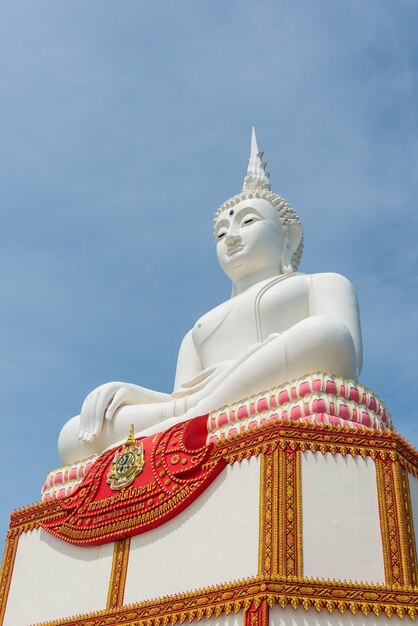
point(300, 514)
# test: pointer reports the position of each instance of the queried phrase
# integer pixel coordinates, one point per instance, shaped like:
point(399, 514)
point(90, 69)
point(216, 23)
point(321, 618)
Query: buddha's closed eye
point(250, 219)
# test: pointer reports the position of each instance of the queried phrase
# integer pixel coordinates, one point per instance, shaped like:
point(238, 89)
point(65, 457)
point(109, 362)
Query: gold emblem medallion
point(127, 464)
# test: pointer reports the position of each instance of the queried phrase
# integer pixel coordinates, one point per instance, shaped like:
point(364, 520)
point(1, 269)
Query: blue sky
point(124, 125)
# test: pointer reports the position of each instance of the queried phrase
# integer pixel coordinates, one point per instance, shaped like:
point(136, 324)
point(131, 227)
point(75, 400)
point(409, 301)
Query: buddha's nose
point(231, 239)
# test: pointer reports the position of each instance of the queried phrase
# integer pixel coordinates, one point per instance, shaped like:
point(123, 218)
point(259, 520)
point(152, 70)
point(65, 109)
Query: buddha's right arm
point(189, 365)
point(192, 380)
point(102, 403)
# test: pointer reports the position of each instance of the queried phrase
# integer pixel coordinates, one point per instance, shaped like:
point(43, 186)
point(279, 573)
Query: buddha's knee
point(334, 350)
point(69, 445)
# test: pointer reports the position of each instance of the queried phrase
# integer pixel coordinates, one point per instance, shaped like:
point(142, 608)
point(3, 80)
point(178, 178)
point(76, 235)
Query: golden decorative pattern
point(31, 517)
point(262, 516)
point(280, 537)
point(118, 573)
point(267, 545)
point(389, 523)
point(396, 522)
point(335, 440)
point(290, 514)
point(275, 497)
point(319, 438)
point(280, 566)
point(95, 514)
point(7, 571)
point(234, 597)
point(406, 525)
point(127, 464)
point(257, 614)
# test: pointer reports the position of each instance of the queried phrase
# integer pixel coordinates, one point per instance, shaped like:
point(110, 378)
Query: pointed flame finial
point(256, 177)
point(131, 439)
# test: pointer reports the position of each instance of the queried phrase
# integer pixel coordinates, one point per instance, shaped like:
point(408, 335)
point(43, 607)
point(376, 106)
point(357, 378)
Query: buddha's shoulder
point(300, 278)
point(330, 285)
point(300, 283)
point(328, 278)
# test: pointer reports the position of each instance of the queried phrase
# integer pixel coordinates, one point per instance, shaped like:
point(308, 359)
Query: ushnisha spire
point(256, 177)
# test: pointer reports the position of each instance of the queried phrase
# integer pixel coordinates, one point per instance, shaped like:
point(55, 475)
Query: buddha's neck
point(244, 283)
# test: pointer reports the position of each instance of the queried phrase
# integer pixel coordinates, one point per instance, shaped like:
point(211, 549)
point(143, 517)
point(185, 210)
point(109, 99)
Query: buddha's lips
point(235, 249)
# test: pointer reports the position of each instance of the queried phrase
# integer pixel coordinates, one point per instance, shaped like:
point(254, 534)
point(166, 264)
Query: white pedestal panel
point(299, 617)
point(341, 528)
point(53, 579)
point(233, 619)
point(214, 540)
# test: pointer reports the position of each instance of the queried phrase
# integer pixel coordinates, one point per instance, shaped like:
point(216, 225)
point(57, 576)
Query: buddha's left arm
point(328, 340)
point(334, 296)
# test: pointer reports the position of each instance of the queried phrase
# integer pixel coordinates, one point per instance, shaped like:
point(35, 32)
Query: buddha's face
point(249, 238)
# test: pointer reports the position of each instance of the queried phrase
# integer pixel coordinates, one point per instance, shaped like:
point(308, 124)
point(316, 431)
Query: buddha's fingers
point(92, 414)
point(104, 398)
point(87, 417)
point(82, 431)
point(118, 399)
point(96, 416)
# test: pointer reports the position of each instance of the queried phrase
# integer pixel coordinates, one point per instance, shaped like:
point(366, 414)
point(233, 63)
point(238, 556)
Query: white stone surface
point(215, 540)
point(341, 528)
point(233, 619)
point(278, 325)
point(299, 617)
point(53, 579)
point(413, 488)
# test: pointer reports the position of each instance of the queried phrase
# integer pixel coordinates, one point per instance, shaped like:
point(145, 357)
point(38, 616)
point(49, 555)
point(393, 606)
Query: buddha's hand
point(102, 403)
point(202, 380)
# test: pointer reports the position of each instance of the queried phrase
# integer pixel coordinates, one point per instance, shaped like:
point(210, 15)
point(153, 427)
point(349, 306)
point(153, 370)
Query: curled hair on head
point(287, 214)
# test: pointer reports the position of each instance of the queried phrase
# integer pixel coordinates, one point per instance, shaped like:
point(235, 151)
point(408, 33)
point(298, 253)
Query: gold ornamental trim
point(118, 573)
point(267, 540)
point(262, 517)
point(6, 571)
point(257, 614)
point(290, 514)
point(276, 501)
point(31, 517)
point(311, 437)
point(280, 528)
point(396, 524)
point(333, 596)
point(406, 525)
point(279, 579)
point(389, 526)
point(318, 438)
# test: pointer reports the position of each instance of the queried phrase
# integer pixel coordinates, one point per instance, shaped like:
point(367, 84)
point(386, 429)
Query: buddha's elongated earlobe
point(286, 262)
point(293, 239)
point(286, 268)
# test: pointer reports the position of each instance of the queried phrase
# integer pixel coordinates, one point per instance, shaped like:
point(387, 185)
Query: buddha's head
point(257, 230)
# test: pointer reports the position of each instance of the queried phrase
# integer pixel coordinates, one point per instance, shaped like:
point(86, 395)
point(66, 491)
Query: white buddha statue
point(278, 325)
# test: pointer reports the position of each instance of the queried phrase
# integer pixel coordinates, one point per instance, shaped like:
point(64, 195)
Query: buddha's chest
point(234, 326)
